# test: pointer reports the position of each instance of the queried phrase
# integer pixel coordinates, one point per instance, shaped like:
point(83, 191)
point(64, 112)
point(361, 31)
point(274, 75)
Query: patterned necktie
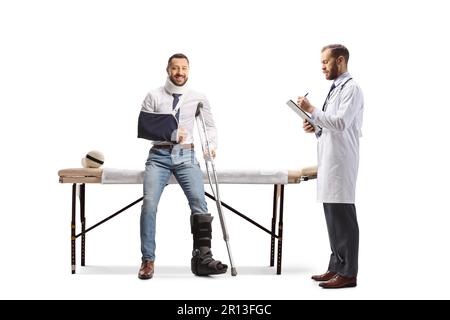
point(328, 97)
point(176, 98)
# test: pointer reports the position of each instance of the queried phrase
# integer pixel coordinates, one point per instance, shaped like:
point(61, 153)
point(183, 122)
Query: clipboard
point(303, 115)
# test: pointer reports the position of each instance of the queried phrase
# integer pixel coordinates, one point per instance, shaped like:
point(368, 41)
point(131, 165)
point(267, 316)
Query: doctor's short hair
point(338, 50)
point(177, 56)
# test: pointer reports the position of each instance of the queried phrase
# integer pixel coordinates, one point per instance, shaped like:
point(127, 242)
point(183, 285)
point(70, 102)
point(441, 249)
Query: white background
point(74, 73)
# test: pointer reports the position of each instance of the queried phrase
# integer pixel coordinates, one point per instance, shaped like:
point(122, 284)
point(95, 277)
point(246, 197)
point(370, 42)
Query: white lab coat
point(338, 145)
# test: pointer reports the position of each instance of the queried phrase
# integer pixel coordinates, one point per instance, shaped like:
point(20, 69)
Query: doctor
point(340, 120)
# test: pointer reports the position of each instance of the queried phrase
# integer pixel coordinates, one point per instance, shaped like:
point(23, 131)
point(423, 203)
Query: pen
point(305, 95)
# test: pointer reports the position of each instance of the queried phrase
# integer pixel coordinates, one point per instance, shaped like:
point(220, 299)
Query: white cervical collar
point(171, 88)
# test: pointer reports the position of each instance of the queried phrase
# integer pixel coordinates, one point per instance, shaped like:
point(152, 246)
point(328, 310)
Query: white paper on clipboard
point(303, 114)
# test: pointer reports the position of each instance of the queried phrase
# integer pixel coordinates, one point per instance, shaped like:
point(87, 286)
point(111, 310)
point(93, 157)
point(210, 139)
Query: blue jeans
point(161, 163)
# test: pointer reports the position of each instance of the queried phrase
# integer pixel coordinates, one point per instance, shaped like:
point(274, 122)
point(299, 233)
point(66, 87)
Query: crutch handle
point(199, 106)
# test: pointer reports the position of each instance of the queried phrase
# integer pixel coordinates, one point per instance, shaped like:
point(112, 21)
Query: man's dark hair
point(177, 56)
point(338, 50)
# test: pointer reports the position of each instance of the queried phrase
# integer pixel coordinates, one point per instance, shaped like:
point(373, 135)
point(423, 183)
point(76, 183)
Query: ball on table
point(93, 159)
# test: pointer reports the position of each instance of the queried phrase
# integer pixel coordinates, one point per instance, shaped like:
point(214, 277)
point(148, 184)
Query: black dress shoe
point(338, 282)
point(324, 277)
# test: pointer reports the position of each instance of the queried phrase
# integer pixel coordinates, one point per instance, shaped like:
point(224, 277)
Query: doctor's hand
point(182, 135)
point(304, 103)
point(308, 127)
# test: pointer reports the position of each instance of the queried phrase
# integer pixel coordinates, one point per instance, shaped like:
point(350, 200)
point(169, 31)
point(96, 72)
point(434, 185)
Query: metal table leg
point(72, 227)
point(280, 230)
point(83, 223)
point(274, 221)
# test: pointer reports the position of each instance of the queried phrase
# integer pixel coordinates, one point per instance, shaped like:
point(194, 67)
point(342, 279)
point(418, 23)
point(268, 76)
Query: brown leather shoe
point(324, 277)
point(146, 270)
point(339, 282)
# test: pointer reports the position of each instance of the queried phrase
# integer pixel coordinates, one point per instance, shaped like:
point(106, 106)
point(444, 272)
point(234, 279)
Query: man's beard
point(333, 72)
point(175, 83)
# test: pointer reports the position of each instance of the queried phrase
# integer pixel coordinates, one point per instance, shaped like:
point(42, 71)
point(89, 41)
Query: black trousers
point(343, 232)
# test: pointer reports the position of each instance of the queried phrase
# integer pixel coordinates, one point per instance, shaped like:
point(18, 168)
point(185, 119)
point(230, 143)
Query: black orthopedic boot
point(202, 262)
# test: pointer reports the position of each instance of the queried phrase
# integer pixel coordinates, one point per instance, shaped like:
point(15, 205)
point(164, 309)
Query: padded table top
point(126, 176)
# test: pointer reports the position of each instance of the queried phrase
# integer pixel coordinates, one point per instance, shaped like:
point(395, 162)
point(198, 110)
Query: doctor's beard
point(333, 72)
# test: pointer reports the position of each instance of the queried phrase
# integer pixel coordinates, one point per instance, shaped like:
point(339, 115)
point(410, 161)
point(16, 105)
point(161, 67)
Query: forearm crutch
point(209, 161)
